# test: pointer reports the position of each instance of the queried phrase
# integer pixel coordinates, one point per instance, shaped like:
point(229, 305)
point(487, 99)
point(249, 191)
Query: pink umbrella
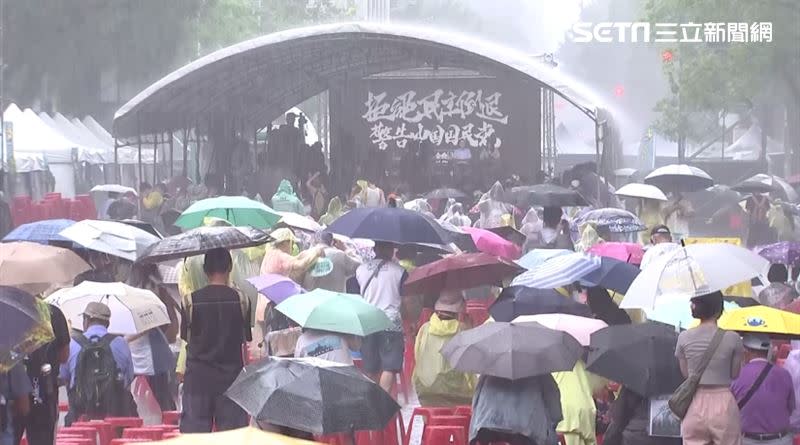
point(492, 243)
point(581, 328)
point(629, 252)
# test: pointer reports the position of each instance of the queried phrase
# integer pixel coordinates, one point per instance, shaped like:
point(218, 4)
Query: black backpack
point(97, 386)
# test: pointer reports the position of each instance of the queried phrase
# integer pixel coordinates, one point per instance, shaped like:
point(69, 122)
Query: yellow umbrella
point(762, 319)
point(242, 436)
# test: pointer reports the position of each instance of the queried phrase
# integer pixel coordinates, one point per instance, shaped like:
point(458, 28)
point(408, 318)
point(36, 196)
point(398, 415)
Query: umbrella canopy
point(202, 239)
point(638, 356)
point(784, 252)
point(458, 272)
point(241, 436)
point(516, 301)
point(36, 267)
point(761, 319)
point(238, 210)
point(42, 232)
point(113, 188)
point(312, 395)
point(492, 243)
point(679, 313)
point(546, 195)
point(512, 350)
point(509, 233)
point(393, 225)
point(276, 288)
point(763, 183)
point(146, 226)
point(111, 237)
point(581, 328)
point(628, 252)
point(334, 312)
point(18, 315)
point(643, 191)
point(445, 193)
point(679, 178)
point(611, 219)
point(559, 271)
point(300, 222)
point(133, 310)
point(537, 257)
point(612, 275)
point(691, 271)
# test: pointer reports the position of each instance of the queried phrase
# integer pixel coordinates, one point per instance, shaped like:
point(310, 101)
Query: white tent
point(126, 154)
point(67, 127)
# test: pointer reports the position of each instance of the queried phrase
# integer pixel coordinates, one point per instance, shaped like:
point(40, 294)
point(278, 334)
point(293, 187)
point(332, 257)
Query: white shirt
point(383, 291)
point(324, 345)
point(142, 356)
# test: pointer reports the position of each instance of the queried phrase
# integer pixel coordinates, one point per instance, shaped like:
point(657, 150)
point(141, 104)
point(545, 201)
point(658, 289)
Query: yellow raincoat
point(334, 211)
point(577, 406)
point(436, 382)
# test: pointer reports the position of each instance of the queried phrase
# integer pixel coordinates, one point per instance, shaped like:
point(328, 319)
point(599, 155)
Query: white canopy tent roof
point(32, 135)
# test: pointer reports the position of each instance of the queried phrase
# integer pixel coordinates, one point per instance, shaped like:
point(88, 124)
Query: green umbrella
point(334, 312)
point(238, 210)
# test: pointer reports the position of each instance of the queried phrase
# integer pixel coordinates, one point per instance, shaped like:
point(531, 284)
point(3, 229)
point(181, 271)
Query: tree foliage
point(707, 79)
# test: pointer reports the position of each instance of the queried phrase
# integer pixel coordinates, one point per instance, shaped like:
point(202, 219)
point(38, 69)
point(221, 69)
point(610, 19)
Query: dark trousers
point(39, 425)
point(160, 386)
point(202, 412)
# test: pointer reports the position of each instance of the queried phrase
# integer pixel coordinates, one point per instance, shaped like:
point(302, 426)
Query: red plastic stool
point(426, 412)
point(105, 430)
point(74, 441)
point(444, 435)
point(463, 410)
point(172, 434)
point(796, 439)
point(170, 417)
point(124, 422)
point(143, 433)
point(86, 432)
point(121, 441)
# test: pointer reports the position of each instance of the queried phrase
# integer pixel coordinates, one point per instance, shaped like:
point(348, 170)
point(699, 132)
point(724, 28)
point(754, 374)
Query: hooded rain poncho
point(577, 406)
point(493, 208)
point(285, 200)
point(436, 382)
point(334, 211)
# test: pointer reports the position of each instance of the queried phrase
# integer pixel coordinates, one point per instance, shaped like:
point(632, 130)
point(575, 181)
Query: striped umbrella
point(559, 271)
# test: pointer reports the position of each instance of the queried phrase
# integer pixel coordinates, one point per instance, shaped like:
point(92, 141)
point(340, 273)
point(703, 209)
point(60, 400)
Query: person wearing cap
point(765, 394)
point(96, 318)
point(331, 271)
point(436, 382)
point(661, 242)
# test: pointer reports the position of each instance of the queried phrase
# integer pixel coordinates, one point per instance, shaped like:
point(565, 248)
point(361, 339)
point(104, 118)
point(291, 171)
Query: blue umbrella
point(611, 219)
point(42, 232)
point(559, 271)
point(391, 225)
point(515, 301)
point(613, 274)
point(536, 257)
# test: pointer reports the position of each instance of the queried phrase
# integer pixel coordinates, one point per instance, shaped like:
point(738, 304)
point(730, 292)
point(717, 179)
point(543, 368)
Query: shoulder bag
point(682, 397)
point(756, 385)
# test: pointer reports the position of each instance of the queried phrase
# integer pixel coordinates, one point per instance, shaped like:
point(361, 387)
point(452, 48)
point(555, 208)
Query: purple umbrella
point(784, 252)
point(276, 288)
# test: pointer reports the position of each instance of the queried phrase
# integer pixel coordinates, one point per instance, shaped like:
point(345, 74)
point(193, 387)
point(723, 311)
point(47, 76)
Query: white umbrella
point(679, 178)
point(691, 271)
point(111, 237)
point(133, 310)
point(114, 188)
point(298, 221)
point(581, 328)
point(644, 191)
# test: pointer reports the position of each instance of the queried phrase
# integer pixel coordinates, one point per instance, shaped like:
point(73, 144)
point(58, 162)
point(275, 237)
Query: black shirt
point(47, 384)
point(214, 334)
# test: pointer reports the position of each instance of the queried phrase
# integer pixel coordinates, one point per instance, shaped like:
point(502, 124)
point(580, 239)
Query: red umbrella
point(458, 272)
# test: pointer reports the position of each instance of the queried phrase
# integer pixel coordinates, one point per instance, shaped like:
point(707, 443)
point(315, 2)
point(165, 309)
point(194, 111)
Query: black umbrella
point(18, 315)
point(312, 395)
point(613, 275)
point(512, 350)
point(509, 233)
point(393, 225)
point(445, 193)
point(638, 356)
point(202, 239)
point(519, 300)
point(546, 195)
point(147, 227)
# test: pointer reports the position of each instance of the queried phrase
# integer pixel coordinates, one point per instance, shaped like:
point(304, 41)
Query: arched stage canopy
point(259, 79)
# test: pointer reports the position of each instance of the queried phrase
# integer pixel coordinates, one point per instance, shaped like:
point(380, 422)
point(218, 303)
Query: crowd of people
point(742, 397)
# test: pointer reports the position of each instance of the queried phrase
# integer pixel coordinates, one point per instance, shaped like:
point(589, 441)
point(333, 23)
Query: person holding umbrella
point(778, 294)
point(380, 281)
point(713, 417)
point(436, 382)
